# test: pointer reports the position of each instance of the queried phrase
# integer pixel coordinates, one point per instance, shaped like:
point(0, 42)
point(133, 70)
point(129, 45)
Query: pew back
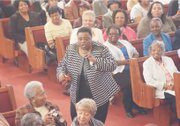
point(61, 44)
point(35, 55)
point(10, 117)
point(7, 48)
point(7, 98)
point(177, 92)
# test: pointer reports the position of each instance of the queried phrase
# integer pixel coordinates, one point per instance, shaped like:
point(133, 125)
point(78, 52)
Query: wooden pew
point(144, 95)
point(7, 98)
point(9, 49)
point(133, 26)
point(10, 117)
point(61, 44)
point(138, 44)
point(177, 92)
point(8, 104)
point(37, 56)
point(173, 54)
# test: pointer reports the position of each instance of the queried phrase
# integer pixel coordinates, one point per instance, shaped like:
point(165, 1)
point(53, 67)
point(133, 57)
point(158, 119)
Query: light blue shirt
point(151, 37)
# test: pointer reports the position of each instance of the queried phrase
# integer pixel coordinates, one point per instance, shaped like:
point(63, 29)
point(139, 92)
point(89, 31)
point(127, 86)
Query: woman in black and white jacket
point(90, 66)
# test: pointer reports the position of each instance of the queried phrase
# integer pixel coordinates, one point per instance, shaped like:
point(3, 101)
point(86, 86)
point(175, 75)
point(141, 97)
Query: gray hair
point(89, 13)
point(156, 42)
point(156, 19)
point(88, 104)
point(31, 119)
point(29, 91)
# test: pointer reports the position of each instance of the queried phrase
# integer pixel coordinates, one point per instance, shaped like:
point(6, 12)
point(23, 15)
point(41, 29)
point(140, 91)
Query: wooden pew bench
point(8, 48)
point(10, 117)
point(37, 56)
point(177, 92)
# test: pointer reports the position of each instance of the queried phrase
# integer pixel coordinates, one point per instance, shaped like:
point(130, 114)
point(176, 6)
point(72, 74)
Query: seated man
point(3, 121)
point(38, 103)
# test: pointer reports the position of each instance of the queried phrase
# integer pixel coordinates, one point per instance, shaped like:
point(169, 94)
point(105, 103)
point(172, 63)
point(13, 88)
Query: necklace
point(84, 53)
point(119, 45)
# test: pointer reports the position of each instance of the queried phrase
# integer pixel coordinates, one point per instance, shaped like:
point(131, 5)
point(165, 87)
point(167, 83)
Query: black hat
point(113, 1)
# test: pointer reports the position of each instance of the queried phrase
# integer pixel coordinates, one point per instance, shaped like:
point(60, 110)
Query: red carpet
point(10, 74)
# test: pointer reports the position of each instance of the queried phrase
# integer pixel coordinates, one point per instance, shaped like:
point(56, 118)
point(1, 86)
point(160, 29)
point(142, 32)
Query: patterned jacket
point(28, 108)
point(99, 75)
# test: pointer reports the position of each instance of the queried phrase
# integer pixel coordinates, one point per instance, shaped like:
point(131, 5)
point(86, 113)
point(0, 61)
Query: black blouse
point(18, 24)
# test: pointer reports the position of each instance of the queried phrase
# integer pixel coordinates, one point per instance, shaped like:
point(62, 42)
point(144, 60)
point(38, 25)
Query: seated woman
point(86, 109)
point(32, 119)
point(122, 51)
point(88, 19)
point(82, 8)
point(155, 10)
point(38, 103)
point(21, 19)
point(156, 34)
point(3, 121)
point(158, 72)
point(107, 17)
point(57, 26)
point(121, 19)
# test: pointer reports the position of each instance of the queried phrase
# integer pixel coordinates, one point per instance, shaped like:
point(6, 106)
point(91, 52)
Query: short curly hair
point(125, 15)
point(54, 9)
point(16, 3)
point(88, 104)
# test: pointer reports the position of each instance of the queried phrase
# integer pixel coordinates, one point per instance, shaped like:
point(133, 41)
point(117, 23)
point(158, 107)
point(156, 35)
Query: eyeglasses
point(42, 94)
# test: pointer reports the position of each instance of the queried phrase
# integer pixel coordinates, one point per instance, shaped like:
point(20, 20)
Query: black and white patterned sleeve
point(106, 62)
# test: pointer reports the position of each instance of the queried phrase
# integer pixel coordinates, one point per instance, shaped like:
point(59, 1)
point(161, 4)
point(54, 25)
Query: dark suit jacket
point(176, 41)
point(173, 8)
